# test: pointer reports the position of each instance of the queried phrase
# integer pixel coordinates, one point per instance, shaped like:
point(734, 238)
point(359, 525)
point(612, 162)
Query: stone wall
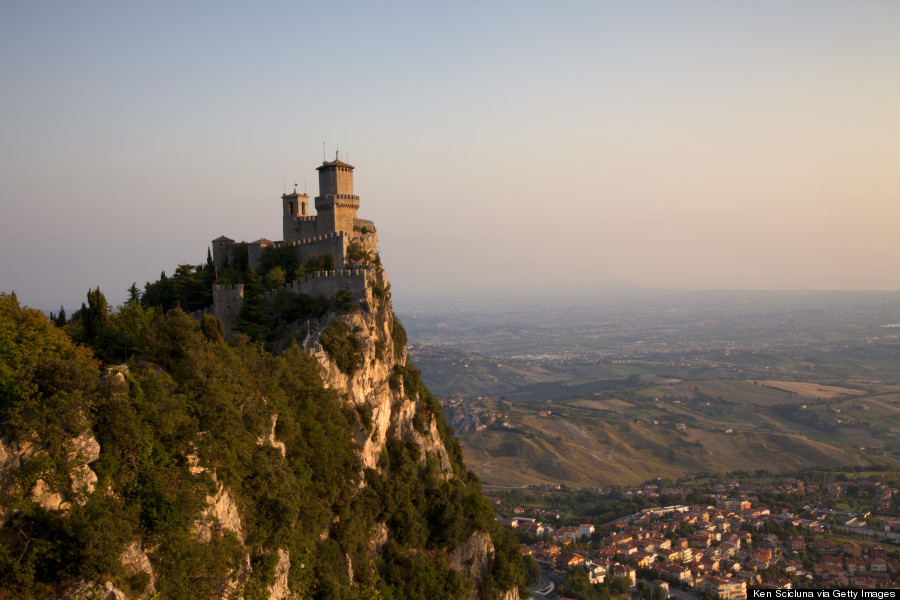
point(228, 299)
point(227, 302)
point(298, 228)
point(327, 284)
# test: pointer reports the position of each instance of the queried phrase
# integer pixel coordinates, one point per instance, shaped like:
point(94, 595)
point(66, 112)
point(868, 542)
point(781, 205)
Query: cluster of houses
point(710, 549)
point(845, 565)
point(465, 416)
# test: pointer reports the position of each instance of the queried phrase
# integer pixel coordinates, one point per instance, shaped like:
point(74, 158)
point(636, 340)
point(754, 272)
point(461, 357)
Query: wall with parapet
point(327, 284)
point(228, 299)
point(307, 248)
point(297, 228)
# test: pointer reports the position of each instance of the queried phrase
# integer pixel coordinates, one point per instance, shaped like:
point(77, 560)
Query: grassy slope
point(610, 440)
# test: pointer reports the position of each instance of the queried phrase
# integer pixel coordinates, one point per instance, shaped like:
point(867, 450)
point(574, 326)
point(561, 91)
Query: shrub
point(343, 300)
point(344, 348)
point(398, 334)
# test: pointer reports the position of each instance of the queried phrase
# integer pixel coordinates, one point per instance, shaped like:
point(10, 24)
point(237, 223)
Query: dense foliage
point(342, 346)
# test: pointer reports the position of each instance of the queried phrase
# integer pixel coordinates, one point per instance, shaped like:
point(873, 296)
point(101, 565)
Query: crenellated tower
point(336, 206)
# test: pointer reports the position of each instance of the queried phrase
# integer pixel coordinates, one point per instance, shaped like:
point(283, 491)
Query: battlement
point(340, 197)
point(322, 238)
point(228, 299)
point(327, 284)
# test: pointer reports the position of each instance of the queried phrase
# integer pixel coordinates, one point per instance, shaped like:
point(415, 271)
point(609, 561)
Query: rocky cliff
point(204, 468)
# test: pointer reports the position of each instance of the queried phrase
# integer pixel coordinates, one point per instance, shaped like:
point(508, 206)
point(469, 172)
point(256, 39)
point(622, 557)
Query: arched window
point(290, 208)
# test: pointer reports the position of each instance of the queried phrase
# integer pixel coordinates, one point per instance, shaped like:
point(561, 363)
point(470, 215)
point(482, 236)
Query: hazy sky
point(499, 146)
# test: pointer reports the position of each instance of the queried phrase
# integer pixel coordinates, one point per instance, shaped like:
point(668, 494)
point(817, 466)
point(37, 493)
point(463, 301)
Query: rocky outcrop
point(136, 561)
point(92, 589)
point(221, 512)
point(392, 409)
point(82, 480)
point(378, 538)
point(473, 559)
point(512, 594)
point(270, 440)
point(279, 589)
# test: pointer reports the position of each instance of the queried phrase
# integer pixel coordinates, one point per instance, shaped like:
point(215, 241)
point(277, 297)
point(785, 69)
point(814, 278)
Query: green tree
point(185, 282)
point(134, 293)
point(253, 318)
point(274, 278)
point(95, 315)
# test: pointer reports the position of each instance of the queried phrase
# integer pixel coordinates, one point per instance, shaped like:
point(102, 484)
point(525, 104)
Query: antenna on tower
point(323, 150)
point(284, 185)
point(304, 186)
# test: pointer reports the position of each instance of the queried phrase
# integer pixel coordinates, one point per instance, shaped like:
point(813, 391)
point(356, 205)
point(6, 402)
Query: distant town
point(724, 547)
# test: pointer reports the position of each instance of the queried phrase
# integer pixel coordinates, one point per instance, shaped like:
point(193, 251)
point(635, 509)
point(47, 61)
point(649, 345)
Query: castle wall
point(227, 302)
point(327, 284)
point(228, 299)
point(300, 227)
point(312, 247)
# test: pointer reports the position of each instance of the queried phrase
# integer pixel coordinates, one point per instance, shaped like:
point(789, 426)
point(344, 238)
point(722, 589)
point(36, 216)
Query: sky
point(501, 148)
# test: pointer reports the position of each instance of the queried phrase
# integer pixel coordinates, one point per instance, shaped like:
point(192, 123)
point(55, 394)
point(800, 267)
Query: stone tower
point(221, 251)
point(294, 205)
point(336, 205)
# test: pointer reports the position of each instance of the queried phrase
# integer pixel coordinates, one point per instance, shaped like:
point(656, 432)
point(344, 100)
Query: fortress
point(331, 230)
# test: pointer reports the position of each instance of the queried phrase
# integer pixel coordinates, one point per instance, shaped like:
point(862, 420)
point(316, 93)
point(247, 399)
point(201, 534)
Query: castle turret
point(336, 205)
point(294, 205)
point(221, 251)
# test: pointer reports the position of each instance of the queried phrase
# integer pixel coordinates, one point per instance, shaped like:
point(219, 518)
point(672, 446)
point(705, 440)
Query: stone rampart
point(327, 284)
point(313, 247)
point(228, 299)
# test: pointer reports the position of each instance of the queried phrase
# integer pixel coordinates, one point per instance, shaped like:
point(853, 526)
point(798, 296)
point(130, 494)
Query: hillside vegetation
point(218, 467)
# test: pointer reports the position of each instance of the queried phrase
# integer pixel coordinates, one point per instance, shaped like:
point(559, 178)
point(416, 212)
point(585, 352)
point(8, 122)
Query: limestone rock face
point(512, 594)
point(91, 589)
point(473, 559)
point(221, 511)
point(82, 480)
point(270, 440)
point(135, 561)
point(279, 588)
point(392, 409)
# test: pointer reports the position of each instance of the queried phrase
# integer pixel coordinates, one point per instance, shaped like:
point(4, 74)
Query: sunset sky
point(500, 147)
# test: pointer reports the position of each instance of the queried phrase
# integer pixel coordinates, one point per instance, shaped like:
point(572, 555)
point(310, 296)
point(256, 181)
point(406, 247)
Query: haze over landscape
point(501, 148)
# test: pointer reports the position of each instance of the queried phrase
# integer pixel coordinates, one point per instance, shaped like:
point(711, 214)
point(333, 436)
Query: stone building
point(330, 230)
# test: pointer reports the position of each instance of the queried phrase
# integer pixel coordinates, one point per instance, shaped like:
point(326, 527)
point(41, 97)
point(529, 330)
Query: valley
point(619, 391)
